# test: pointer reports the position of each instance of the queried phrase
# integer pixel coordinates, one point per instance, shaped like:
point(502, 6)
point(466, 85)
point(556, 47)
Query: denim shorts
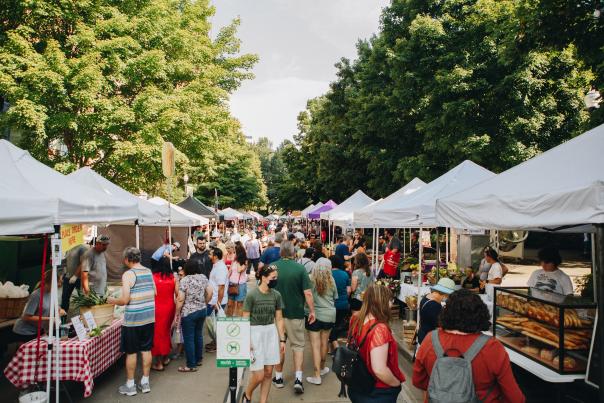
point(242, 293)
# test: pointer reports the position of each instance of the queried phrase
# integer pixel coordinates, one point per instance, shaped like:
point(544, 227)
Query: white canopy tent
point(311, 208)
point(148, 213)
point(343, 213)
point(255, 215)
point(180, 217)
point(363, 218)
point(419, 209)
point(35, 197)
point(232, 214)
point(307, 210)
point(561, 187)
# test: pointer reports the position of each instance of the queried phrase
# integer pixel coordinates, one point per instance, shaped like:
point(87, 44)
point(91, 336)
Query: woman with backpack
point(370, 330)
point(484, 371)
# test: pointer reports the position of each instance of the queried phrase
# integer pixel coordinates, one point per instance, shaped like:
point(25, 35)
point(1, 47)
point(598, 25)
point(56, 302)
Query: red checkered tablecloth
point(79, 361)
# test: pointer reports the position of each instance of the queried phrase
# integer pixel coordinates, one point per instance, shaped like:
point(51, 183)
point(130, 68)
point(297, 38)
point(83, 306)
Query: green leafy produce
point(97, 331)
point(87, 300)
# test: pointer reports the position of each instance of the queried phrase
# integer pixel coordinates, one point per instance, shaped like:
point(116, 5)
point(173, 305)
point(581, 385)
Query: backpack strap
point(476, 347)
point(367, 334)
point(438, 348)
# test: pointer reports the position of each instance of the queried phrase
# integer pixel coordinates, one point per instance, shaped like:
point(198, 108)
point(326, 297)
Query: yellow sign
point(71, 235)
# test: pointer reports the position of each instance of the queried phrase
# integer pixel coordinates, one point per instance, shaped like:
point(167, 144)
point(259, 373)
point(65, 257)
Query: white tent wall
point(418, 208)
point(35, 197)
point(151, 238)
point(563, 186)
point(363, 218)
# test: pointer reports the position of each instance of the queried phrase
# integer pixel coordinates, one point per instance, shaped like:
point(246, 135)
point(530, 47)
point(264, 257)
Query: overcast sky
point(298, 42)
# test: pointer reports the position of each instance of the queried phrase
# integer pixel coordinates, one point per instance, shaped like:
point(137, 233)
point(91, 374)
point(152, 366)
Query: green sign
point(233, 342)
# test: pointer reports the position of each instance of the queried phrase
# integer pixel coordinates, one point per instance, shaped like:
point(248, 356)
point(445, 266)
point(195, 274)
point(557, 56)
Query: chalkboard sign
point(594, 370)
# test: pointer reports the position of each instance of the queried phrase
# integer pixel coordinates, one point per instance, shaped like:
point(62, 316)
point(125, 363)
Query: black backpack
point(349, 367)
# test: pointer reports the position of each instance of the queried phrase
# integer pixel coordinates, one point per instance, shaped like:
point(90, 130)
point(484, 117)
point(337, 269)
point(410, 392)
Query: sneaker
point(324, 371)
point(127, 390)
point(145, 387)
point(278, 383)
point(312, 379)
point(298, 387)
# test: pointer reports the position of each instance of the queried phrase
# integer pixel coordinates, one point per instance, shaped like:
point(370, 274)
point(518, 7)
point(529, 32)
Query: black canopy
point(197, 207)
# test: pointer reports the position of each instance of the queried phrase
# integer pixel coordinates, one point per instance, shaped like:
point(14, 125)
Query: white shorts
point(265, 344)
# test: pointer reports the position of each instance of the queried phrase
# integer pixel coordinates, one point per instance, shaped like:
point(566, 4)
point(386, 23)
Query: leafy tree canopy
point(104, 83)
point(494, 81)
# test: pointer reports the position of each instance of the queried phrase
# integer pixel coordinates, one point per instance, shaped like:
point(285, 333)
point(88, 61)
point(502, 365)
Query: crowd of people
point(301, 288)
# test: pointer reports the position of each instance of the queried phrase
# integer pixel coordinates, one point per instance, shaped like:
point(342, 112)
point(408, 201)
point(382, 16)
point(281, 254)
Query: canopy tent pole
point(447, 244)
point(373, 247)
point(599, 290)
point(170, 234)
point(419, 276)
point(404, 245)
point(137, 234)
point(437, 253)
point(53, 344)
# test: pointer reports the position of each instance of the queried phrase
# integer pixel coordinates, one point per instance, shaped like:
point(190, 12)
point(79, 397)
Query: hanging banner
point(425, 239)
point(72, 235)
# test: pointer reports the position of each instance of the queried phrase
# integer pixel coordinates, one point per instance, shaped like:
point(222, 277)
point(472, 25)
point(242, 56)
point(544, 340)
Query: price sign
point(233, 342)
point(90, 320)
point(79, 328)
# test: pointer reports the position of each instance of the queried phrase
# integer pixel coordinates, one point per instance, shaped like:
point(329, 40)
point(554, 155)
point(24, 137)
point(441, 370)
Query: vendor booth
point(559, 190)
point(37, 200)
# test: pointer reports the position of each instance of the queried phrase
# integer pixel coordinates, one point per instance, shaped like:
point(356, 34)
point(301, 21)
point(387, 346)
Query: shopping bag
point(211, 325)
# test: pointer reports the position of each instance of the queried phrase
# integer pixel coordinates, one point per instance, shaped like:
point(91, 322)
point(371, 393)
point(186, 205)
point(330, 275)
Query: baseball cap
point(444, 285)
point(177, 244)
point(103, 239)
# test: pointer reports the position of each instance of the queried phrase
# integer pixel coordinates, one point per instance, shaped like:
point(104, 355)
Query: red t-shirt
point(490, 367)
point(379, 336)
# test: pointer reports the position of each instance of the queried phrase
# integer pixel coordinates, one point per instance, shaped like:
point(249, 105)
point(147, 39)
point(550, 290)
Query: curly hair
point(465, 312)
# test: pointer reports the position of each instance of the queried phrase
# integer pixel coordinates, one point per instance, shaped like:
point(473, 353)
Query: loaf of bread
point(530, 350)
point(547, 354)
point(569, 362)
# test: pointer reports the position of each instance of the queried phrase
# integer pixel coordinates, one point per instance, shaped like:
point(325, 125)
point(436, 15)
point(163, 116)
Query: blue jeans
point(192, 334)
point(378, 395)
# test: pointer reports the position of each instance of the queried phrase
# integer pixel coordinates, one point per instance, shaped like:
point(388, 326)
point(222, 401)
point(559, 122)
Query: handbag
point(233, 289)
point(349, 367)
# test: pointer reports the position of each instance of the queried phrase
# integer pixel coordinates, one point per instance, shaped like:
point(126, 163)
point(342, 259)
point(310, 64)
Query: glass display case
point(552, 329)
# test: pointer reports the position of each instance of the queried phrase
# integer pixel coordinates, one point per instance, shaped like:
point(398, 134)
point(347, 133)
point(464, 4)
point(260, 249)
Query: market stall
point(520, 198)
point(341, 215)
point(36, 200)
point(80, 361)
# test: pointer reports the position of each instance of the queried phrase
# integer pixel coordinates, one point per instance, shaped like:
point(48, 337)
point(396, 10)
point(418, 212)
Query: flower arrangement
point(393, 285)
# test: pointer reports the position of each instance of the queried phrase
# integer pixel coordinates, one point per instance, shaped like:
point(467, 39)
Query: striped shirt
point(141, 308)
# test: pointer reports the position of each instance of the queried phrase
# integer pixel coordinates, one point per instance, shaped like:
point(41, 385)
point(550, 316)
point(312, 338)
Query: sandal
point(166, 362)
point(200, 363)
point(186, 369)
point(157, 369)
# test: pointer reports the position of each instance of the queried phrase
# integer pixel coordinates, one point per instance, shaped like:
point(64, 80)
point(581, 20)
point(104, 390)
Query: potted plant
point(97, 304)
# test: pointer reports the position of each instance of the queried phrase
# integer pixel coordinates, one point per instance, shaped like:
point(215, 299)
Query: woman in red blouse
point(462, 321)
point(380, 351)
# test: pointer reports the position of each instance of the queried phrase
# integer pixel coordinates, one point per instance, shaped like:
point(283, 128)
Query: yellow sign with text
point(72, 235)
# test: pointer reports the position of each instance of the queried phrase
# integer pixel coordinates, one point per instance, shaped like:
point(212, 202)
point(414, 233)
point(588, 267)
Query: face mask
point(272, 283)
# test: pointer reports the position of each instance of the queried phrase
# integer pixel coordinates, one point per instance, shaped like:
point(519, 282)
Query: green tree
point(443, 81)
point(109, 81)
